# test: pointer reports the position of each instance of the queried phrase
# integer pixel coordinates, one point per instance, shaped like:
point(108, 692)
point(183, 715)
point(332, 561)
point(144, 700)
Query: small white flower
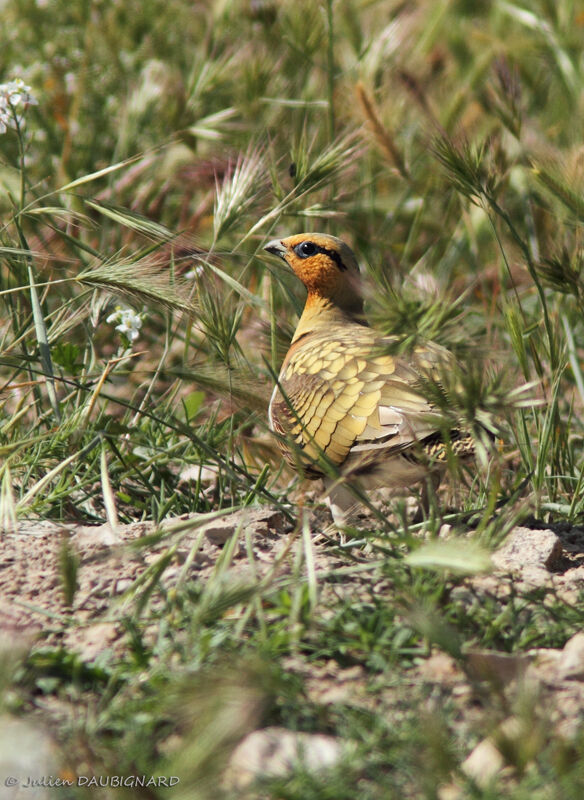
point(16, 91)
point(129, 322)
point(195, 273)
point(13, 94)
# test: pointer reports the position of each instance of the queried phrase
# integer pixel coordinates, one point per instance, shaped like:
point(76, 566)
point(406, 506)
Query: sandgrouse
point(342, 399)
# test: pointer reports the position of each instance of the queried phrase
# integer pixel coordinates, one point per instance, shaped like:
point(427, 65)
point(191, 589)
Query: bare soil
point(33, 606)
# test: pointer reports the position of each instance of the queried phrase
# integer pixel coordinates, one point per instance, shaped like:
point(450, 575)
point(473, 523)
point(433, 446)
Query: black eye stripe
point(335, 256)
point(332, 254)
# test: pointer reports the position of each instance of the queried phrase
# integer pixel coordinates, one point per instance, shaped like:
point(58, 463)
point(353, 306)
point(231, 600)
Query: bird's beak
point(276, 248)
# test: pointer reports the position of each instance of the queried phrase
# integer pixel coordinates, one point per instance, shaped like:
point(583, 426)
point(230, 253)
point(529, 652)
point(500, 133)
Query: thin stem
point(20, 139)
point(532, 271)
point(330, 69)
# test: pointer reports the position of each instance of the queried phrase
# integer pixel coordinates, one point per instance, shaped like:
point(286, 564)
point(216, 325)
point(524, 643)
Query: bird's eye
point(305, 249)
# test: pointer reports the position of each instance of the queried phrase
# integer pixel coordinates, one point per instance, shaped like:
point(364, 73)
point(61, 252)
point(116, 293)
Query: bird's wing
point(402, 416)
point(343, 395)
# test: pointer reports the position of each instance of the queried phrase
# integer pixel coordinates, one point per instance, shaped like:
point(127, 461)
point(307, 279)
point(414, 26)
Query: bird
point(346, 407)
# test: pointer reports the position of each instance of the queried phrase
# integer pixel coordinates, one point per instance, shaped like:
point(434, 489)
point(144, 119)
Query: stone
point(276, 751)
point(28, 759)
point(486, 762)
point(483, 763)
point(571, 663)
point(525, 548)
point(260, 520)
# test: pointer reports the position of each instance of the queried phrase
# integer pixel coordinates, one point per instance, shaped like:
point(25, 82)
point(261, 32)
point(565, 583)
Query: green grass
point(443, 141)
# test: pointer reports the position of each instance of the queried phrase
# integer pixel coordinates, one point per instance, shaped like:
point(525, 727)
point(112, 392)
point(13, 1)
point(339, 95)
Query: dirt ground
point(33, 604)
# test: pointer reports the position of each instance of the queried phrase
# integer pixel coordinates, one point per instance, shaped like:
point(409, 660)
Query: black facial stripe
point(314, 248)
point(334, 255)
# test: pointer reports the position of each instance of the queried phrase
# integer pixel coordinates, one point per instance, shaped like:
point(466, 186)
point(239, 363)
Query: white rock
point(527, 548)
point(571, 664)
point(486, 762)
point(27, 756)
point(483, 763)
point(276, 751)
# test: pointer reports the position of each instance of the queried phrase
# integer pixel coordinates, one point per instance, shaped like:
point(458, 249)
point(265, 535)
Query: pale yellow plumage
point(341, 394)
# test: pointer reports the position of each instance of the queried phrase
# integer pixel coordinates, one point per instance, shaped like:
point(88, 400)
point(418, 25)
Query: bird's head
point(325, 265)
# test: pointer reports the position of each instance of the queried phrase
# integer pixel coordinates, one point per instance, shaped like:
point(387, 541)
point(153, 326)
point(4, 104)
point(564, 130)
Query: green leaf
point(192, 403)
point(43, 343)
point(463, 557)
point(65, 354)
point(69, 562)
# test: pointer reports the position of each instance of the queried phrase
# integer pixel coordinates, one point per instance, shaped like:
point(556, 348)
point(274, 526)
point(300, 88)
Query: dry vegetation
point(156, 623)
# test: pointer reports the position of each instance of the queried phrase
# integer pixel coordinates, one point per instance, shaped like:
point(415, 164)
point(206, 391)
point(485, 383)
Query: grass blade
point(43, 343)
